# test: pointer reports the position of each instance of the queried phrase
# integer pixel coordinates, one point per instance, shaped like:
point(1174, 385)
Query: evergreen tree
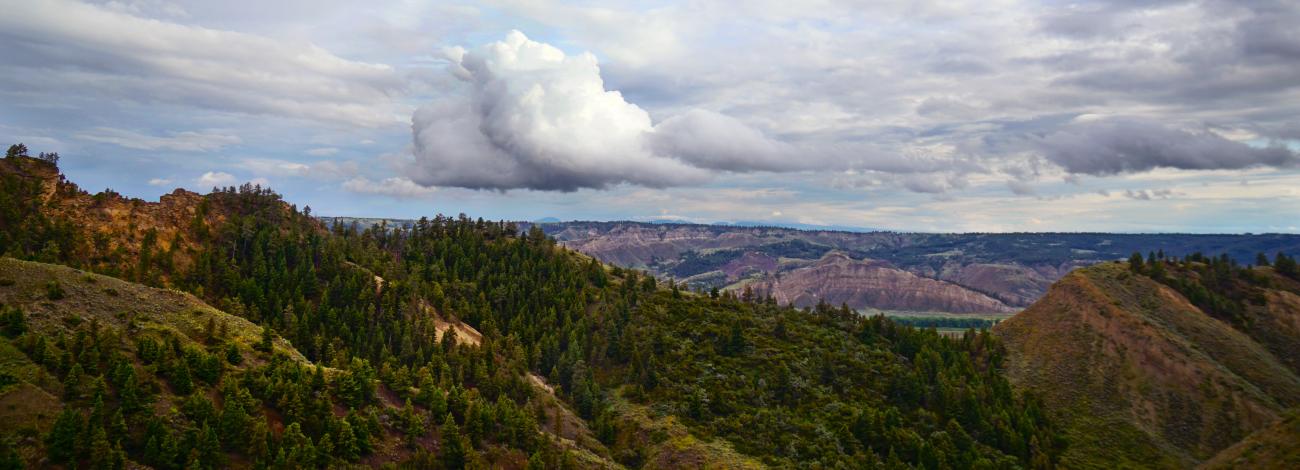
point(346, 447)
point(453, 444)
point(412, 423)
point(61, 442)
point(101, 453)
point(16, 150)
point(1136, 264)
point(72, 383)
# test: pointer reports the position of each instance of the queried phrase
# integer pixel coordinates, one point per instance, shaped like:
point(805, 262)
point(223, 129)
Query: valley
point(232, 330)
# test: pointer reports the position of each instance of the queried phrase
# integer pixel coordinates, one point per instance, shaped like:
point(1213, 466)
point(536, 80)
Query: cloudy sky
point(989, 115)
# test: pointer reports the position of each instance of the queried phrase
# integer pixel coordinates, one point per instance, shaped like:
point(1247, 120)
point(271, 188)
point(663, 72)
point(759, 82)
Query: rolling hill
point(1140, 376)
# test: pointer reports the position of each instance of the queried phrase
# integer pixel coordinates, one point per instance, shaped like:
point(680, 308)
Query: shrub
point(54, 291)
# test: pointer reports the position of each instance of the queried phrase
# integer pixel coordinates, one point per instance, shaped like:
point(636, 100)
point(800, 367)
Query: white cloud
point(84, 50)
point(395, 187)
point(215, 179)
point(159, 182)
point(324, 170)
point(188, 141)
point(536, 118)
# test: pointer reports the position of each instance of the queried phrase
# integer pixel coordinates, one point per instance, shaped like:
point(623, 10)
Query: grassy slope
point(1274, 447)
point(1141, 377)
point(120, 306)
point(28, 407)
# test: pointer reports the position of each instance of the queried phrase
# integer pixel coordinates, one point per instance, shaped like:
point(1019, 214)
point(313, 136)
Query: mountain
point(1014, 269)
point(1162, 363)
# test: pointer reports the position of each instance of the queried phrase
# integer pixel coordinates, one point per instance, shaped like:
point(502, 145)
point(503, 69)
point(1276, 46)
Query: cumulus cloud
point(534, 117)
point(396, 187)
point(159, 182)
point(188, 141)
point(1114, 146)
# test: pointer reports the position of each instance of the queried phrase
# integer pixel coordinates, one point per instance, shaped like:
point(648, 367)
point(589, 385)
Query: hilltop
point(1141, 376)
point(51, 219)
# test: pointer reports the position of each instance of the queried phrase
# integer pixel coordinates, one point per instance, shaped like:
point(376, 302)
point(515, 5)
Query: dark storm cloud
point(1116, 146)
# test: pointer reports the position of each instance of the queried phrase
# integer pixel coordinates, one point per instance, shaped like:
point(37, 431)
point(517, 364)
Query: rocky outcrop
point(112, 233)
point(873, 284)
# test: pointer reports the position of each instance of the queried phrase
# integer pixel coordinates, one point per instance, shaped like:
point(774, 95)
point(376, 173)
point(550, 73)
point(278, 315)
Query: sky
point(988, 115)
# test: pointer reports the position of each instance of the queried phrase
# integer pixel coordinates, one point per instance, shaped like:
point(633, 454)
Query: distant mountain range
point(892, 271)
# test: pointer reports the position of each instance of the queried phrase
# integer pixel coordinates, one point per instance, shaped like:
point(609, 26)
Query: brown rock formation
point(837, 279)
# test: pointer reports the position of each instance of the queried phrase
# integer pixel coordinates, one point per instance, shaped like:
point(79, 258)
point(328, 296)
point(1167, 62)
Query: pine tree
point(16, 150)
point(453, 444)
point(180, 378)
point(268, 336)
point(232, 354)
point(412, 422)
point(258, 449)
point(72, 383)
point(346, 448)
point(61, 442)
point(234, 423)
point(117, 425)
point(1136, 264)
point(101, 451)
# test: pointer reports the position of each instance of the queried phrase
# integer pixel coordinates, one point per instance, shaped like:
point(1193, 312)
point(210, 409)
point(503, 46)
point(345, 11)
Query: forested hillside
point(557, 360)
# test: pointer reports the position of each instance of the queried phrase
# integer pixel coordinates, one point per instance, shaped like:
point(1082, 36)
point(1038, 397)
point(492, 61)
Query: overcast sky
point(988, 115)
